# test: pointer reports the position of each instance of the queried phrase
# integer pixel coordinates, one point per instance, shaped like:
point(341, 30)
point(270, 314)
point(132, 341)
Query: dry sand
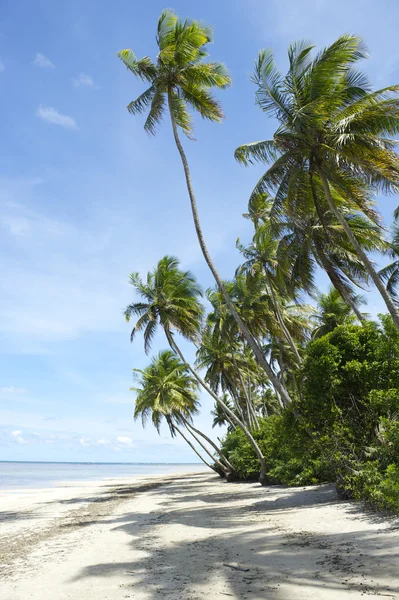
point(178, 537)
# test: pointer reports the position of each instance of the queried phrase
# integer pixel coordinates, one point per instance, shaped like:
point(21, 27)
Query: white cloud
point(84, 80)
point(51, 115)
point(12, 390)
point(17, 437)
point(43, 62)
point(2, 65)
point(124, 441)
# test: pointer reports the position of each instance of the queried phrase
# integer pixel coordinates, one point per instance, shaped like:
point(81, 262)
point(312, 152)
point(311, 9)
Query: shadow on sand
point(277, 557)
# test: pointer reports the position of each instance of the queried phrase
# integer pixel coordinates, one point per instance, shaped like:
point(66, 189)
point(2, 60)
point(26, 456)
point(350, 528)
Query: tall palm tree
point(390, 273)
point(334, 132)
point(169, 392)
point(180, 79)
point(332, 311)
point(169, 298)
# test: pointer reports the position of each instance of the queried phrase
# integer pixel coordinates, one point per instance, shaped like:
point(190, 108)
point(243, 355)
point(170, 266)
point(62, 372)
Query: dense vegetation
point(306, 383)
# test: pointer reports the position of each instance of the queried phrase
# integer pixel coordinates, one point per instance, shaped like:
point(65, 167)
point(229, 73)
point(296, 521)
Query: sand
point(180, 537)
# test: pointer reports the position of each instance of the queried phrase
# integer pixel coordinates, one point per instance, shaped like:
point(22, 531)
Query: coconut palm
point(170, 299)
point(332, 311)
point(308, 243)
point(179, 80)
point(227, 369)
point(220, 418)
point(390, 273)
point(334, 133)
point(261, 259)
point(169, 392)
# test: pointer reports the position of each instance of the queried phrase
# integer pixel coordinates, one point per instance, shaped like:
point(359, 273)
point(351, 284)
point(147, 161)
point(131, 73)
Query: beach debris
point(245, 569)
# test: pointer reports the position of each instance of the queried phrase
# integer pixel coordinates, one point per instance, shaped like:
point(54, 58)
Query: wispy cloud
point(67, 439)
point(43, 62)
point(52, 115)
point(2, 65)
point(84, 80)
point(12, 390)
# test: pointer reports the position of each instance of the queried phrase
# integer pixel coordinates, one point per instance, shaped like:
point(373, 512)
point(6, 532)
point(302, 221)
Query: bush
point(344, 427)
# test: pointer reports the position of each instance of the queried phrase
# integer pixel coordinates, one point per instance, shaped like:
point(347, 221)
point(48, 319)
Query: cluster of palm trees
point(312, 209)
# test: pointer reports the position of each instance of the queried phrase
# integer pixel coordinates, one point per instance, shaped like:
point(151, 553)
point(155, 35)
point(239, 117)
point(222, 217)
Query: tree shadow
point(6, 516)
point(207, 540)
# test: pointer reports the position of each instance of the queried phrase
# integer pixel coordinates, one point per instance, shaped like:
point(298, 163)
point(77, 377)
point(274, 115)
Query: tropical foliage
point(304, 382)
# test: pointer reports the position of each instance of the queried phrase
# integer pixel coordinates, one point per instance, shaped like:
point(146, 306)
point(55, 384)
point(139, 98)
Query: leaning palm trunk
point(281, 321)
point(251, 412)
point(244, 329)
point(362, 255)
point(179, 431)
point(237, 402)
point(223, 458)
point(227, 410)
point(217, 462)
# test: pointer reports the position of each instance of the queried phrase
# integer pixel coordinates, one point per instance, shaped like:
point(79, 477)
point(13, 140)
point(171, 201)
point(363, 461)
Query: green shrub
point(345, 425)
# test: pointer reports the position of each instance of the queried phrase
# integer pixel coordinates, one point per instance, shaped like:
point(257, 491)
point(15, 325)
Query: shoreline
point(188, 536)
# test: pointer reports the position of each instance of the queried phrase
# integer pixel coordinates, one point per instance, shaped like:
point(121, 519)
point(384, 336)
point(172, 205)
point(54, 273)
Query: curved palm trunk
point(345, 295)
point(251, 411)
point(221, 465)
point(280, 319)
point(236, 400)
point(244, 329)
point(230, 413)
point(210, 442)
point(193, 448)
point(362, 255)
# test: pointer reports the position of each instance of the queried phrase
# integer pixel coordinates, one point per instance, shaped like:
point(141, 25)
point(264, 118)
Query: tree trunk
point(361, 253)
point(210, 442)
point(244, 329)
point(221, 465)
point(250, 408)
point(230, 413)
point(281, 321)
point(193, 448)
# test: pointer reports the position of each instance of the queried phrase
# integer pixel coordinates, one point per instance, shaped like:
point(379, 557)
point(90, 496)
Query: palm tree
point(180, 79)
point(308, 243)
point(332, 311)
point(220, 418)
point(390, 273)
point(169, 298)
point(169, 392)
point(334, 132)
point(226, 370)
point(306, 239)
point(261, 257)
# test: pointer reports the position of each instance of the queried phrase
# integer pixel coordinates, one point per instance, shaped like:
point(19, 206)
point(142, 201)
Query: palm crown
point(332, 311)
point(167, 391)
point(330, 119)
point(180, 78)
point(170, 299)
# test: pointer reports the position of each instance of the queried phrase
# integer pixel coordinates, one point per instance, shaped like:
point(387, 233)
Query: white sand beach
point(193, 537)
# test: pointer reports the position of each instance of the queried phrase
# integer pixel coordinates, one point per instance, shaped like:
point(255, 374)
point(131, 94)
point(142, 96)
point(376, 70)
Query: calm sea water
point(18, 475)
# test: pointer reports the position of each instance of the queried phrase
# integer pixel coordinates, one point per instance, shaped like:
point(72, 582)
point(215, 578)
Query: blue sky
point(87, 197)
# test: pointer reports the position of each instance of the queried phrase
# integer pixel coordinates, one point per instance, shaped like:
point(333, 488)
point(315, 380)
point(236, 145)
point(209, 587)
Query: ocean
point(20, 475)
